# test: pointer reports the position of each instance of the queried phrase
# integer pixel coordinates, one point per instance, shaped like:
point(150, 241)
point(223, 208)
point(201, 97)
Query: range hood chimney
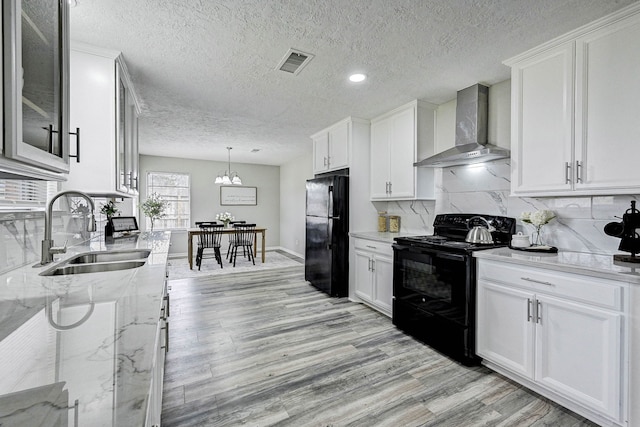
point(471, 133)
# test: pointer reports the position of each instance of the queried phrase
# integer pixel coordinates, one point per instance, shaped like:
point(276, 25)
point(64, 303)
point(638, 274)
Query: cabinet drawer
point(373, 246)
point(599, 292)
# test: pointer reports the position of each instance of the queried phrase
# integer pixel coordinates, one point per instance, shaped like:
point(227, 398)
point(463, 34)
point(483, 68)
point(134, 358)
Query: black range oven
point(434, 283)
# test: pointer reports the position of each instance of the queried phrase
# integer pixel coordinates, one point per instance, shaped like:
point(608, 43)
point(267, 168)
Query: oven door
point(435, 282)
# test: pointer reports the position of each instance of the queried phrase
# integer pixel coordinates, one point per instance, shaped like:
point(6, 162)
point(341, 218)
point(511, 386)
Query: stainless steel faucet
point(48, 250)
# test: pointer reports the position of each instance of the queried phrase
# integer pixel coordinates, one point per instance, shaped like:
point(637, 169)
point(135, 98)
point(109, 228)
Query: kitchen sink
point(108, 256)
point(98, 262)
point(66, 269)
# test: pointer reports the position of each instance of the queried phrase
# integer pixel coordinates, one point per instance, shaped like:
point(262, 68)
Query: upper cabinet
point(575, 103)
point(104, 106)
point(35, 77)
point(332, 147)
point(398, 139)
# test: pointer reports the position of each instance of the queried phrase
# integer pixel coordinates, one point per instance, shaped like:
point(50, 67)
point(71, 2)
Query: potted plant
point(109, 209)
point(154, 208)
point(80, 217)
point(537, 219)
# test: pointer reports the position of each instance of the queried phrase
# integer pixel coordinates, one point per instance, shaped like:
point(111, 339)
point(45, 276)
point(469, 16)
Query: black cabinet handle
point(77, 134)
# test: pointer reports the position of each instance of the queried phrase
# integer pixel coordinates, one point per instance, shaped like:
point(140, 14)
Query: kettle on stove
point(479, 233)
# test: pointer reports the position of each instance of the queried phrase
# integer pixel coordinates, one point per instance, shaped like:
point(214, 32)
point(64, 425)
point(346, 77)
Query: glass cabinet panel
point(36, 82)
point(121, 134)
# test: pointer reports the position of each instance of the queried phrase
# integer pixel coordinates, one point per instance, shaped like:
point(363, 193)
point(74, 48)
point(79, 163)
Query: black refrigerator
point(327, 235)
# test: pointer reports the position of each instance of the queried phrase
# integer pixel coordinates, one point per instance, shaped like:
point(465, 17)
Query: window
point(174, 189)
point(16, 194)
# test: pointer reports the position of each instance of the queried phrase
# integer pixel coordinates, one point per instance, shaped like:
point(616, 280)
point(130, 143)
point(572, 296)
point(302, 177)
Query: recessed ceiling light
point(357, 78)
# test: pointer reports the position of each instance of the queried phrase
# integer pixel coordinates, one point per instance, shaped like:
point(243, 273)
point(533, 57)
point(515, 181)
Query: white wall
point(293, 176)
point(205, 195)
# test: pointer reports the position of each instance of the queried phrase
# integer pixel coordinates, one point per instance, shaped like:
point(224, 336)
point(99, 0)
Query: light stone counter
point(571, 262)
point(90, 337)
point(377, 236)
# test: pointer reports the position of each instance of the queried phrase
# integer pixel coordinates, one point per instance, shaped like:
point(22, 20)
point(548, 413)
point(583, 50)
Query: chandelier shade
point(228, 177)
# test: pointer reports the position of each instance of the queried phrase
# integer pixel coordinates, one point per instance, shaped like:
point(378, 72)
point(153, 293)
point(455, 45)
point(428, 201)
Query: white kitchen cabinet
point(399, 138)
point(374, 274)
point(154, 403)
point(560, 334)
point(574, 111)
point(504, 335)
point(35, 90)
point(104, 106)
point(332, 146)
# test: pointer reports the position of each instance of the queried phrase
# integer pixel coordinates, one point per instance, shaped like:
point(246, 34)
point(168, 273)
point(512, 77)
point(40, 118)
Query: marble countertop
point(378, 236)
point(92, 336)
point(570, 262)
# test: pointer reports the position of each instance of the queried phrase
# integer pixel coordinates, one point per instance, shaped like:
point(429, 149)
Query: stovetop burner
point(450, 231)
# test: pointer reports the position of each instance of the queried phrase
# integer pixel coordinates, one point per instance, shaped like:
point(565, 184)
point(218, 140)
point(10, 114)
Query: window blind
point(17, 194)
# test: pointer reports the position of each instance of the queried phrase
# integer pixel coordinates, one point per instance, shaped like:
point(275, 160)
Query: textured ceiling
point(205, 70)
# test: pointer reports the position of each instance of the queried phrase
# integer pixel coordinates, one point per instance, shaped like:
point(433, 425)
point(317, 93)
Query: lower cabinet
point(374, 274)
point(560, 334)
point(154, 405)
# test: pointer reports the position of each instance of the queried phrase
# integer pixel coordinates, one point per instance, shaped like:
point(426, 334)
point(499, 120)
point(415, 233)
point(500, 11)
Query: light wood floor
point(268, 349)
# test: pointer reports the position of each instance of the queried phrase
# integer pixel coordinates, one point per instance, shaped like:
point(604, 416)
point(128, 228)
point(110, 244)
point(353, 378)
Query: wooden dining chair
point(233, 236)
point(209, 238)
point(199, 223)
point(244, 237)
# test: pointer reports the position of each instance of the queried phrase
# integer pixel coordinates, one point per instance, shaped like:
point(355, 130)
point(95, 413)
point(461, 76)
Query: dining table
point(197, 231)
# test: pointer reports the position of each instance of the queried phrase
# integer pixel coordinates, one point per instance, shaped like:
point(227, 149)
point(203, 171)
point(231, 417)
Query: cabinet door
point(380, 134)
point(92, 109)
point(505, 328)
point(36, 88)
point(321, 152)
point(578, 353)
point(135, 159)
point(402, 154)
point(339, 146)
point(122, 152)
point(542, 122)
point(364, 281)
point(607, 106)
point(383, 278)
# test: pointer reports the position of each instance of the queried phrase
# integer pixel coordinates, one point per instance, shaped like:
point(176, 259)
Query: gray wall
point(205, 195)
point(293, 176)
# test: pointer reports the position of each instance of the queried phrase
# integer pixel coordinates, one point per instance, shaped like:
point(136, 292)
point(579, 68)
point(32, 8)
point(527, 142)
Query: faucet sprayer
point(48, 250)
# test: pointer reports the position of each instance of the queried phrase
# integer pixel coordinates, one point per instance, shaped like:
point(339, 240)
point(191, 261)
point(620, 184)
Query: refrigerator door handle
point(330, 204)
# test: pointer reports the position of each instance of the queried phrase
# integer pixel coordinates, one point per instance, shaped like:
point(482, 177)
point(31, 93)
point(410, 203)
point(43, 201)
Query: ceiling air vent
point(294, 61)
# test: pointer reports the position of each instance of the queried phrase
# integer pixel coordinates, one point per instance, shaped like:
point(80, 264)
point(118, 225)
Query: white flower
point(224, 216)
point(538, 218)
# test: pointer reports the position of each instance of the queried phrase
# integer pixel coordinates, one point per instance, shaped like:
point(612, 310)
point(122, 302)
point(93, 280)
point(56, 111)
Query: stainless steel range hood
point(471, 133)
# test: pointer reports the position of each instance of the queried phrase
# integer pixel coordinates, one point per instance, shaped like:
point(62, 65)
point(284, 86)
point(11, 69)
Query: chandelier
point(229, 177)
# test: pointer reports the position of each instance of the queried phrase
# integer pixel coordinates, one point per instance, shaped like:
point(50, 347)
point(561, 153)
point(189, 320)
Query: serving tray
point(543, 249)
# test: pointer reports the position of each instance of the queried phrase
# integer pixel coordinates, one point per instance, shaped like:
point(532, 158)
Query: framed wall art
point(234, 195)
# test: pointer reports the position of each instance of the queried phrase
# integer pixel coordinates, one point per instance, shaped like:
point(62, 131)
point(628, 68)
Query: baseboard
point(280, 248)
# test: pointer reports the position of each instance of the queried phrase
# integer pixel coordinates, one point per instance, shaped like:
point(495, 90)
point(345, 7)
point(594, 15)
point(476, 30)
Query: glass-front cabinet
point(127, 134)
point(36, 87)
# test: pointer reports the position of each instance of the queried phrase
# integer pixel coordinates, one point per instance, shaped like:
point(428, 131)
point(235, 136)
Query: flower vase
point(108, 229)
point(226, 224)
point(537, 237)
